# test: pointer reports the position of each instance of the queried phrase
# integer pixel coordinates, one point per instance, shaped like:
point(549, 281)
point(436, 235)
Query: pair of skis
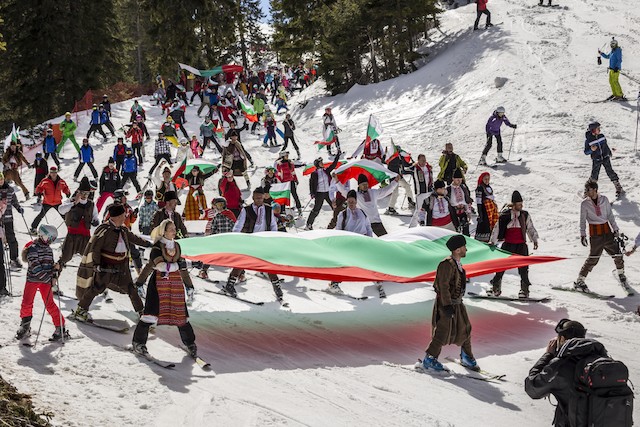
point(205, 366)
point(473, 374)
point(505, 298)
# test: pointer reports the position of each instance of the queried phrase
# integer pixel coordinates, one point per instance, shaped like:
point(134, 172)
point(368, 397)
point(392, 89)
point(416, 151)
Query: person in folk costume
point(233, 130)
point(281, 219)
point(49, 145)
point(514, 225)
point(196, 201)
point(51, 188)
point(168, 211)
point(12, 160)
point(85, 158)
point(488, 213)
point(80, 214)
point(105, 264)
point(450, 322)
point(137, 139)
point(437, 209)
point(287, 173)
point(8, 196)
point(228, 188)
point(176, 112)
point(68, 128)
point(41, 170)
point(41, 276)
point(235, 159)
point(398, 163)
point(338, 199)
point(329, 124)
point(216, 116)
point(252, 219)
point(195, 147)
point(267, 181)
point(319, 187)
point(372, 151)
point(165, 300)
point(220, 220)
point(351, 219)
point(164, 184)
point(422, 183)
point(131, 215)
point(109, 182)
point(449, 163)
point(460, 198)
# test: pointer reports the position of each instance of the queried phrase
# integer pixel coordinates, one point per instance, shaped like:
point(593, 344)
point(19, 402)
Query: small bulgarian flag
point(247, 110)
point(329, 137)
point(205, 166)
point(281, 193)
point(374, 172)
point(399, 152)
point(374, 129)
point(219, 133)
point(311, 168)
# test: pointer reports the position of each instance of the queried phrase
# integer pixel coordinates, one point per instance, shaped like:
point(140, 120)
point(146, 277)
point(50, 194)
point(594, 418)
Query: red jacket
point(286, 171)
point(230, 191)
point(482, 4)
point(135, 135)
point(52, 191)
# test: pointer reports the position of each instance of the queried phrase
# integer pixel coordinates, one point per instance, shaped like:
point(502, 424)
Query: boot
point(277, 289)
point(81, 315)
point(192, 349)
point(139, 348)
point(412, 204)
point(619, 190)
point(580, 285)
point(248, 185)
point(24, 329)
point(500, 159)
point(230, 288)
point(297, 154)
point(430, 362)
point(59, 333)
point(483, 160)
point(496, 289)
point(16, 264)
point(4, 292)
point(334, 288)
point(468, 361)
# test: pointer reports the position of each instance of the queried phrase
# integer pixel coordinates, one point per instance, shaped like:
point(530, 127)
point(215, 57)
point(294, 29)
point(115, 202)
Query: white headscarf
point(158, 232)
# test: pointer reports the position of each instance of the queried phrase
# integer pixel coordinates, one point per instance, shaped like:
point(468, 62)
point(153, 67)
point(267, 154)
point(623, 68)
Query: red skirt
point(172, 306)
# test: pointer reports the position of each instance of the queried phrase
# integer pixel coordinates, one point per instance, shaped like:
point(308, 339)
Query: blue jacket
point(49, 144)
point(86, 154)
point(600, 142)
point(130, 164)
point(104, 117)
point(494, 123)
point(213, 98)
point(95, 117)
point(615, 58)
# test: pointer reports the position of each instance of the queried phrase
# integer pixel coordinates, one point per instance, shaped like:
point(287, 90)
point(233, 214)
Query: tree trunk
point(243, 41)
point(374, 61)
point(138, 43)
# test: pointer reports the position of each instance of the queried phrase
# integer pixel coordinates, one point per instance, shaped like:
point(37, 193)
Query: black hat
point(362, 179)
point(458, 173)
point(594, 125)
point(93, 184)
point(516, 197)
point(170, 195)
point(84, 184)
point(352, 194)
point(148, 193)
point(570, 329)
point(116, 210)
point(439, 184)
point(456, 242)
point(258, 190)
point(111, 161)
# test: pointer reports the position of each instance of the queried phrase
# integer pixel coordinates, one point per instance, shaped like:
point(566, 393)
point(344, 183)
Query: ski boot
point(391, 211)
point(25, 328)
point(500, 159)
point(16, 264)
point(619, 190)
point(139, 348)
point(308, 227)
point(334, 288)
point(190, 296)
point(430, 362)
point(496, 289)
point(277, 289)
point(468, 361)
point(60, 334)
point(524, 290)
point(81, 315)
point(107, 297)
point(4, 292)
point(230, 288)
point(203, 274)
point(192, 349)
point(412, 204)
point(248, 185)
point(483, 160)
point(381, 293)
point(580, 285)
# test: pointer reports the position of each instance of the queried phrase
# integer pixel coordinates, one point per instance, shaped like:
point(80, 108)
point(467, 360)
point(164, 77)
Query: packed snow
point(321, 361)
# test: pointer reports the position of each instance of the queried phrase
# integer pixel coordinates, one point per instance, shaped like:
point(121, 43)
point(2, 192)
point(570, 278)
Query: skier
point(106, 105)
point(514, 225)
point(289, 127)
point(68, 128)
point(319, 186)
point(140, 122)
point(488, 213)
point(437, 211)
point(351, 219)
point(449, 163)
point(137, 110)
point(80, 214)
point(49, 146)
point(51, 188)
point(460, 198)
point(450, 321)
point(493, 129)
point(422, 184)
point(168, 211)
point(238, 132)
point(119, 151)
point(95, 125)
point(220, 220)
point(8, 195)
point(105, 264)
point(177, 113)
point(12, 160)
point(165, 301)
point(398, 164)
point(147, 210)
point(130, 171)
point(615, 64)
point(596, 146)
point(287, 173)
point(168, 128)
point(109, 182)
point(252, 219)
point(162, 151)
point(368, 200)
point(85, 158)
point(41, 275)
point(480, 10)
point(596, 211)
point(41, 169)
point(270, 125)
point(207, 131)
point(259, 102)
point(196, 201)
point(329, 124)
point(137, 139)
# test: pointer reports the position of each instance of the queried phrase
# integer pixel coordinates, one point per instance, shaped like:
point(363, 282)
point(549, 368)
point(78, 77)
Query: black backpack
point(603, 397)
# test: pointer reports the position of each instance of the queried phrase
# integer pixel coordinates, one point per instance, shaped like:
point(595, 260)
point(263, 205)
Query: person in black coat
point(289, 127)
point(319, 183)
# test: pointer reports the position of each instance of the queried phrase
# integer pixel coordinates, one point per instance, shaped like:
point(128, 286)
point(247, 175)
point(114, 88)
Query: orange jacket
point(52, 191)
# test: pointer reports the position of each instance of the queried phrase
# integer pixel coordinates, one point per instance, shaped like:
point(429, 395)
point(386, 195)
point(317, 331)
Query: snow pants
point(293, 142)
point(616, 89)
point(606, 162)
point(479, 13)
point(599, 243)
point(43, 212)
point(71, 138)
point(318, 201)
point(54, 156)
point(92, 129)
point(81, 166)
point(487, 147)
point(26, 309)
point(14, 175)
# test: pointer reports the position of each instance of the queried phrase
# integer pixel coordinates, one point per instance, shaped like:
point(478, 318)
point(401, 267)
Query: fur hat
point(439, 184)
point(456, 242)
point(258, 190)
point(352, 194)
point(84, 185)
point(458, 173)
point(170, 195)
point(116, 210)
point(362, 179)
point(516, 197)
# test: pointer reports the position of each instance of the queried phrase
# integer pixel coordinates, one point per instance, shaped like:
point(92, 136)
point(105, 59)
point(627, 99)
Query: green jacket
point(444, 162)
point(68, 128)
point(258, 105)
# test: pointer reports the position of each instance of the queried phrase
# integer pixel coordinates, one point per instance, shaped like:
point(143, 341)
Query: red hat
point(481, 177)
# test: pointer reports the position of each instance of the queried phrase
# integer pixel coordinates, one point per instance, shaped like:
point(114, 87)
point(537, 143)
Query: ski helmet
point(318, 162)
point(47, 233)
point(614, 43)
point(500, 110)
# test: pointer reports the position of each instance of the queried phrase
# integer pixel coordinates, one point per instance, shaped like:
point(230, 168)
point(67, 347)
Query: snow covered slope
point(322, 362)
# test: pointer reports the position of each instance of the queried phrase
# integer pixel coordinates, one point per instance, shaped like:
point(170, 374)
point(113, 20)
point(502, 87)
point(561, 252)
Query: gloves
point(20, 210)
point(583, 240)
point(141, 292)
point(135, 211)
point(515, 126)
point(448, 311)
point(190, 295)
point(95, 223)
point(182, 264)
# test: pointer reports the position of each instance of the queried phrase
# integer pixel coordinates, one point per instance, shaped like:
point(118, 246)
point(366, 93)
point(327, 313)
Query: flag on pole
point(247, 110)
point(374, 129)
point(399, 152)
point(219, 133)
point(329, 137)
point(281, 193)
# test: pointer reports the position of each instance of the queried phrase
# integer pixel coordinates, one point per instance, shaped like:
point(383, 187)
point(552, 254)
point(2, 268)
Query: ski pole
point(62, 328)
point(44, 310)
point(513, 135)
point(635, 146)
point(26, 225)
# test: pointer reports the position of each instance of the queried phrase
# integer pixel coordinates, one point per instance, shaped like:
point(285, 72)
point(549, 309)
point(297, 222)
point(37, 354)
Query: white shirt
point(68, 204)
point(333, 189)
point(515, 223)
point(356, 222)
point(368, 201)
point(323, 182)
point(457, 197)
point(599, 213)
point(440, 208)
point(261, 224)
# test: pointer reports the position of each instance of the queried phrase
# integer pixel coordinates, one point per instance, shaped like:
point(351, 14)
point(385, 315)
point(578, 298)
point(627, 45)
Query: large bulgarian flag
point(406, 256)
point(247, 110)
point(281, 193)
point(229, 68)
point(375, 173)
